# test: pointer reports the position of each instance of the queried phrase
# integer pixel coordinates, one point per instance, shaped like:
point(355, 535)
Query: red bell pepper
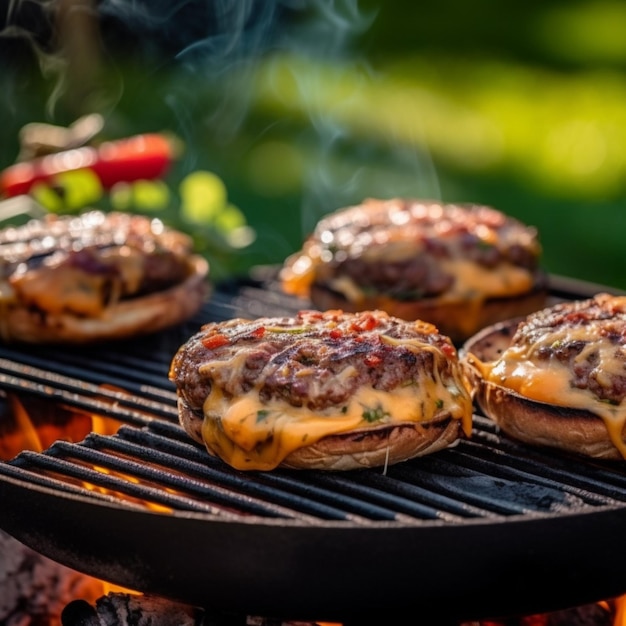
point(215, 341)
point(141, 157)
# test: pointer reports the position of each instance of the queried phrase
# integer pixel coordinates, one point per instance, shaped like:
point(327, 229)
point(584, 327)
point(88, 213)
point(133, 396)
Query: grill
point(488, 528)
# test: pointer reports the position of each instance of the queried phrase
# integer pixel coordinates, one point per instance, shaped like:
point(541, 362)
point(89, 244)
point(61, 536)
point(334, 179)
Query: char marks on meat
point(588, 337)
point(407, 248)
point(315, 359)
point(113, 255)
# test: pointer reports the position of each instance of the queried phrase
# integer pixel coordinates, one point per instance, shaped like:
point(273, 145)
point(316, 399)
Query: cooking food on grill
point(75, 279)
point(326, 390)
point(458, 266)
point(557, 378)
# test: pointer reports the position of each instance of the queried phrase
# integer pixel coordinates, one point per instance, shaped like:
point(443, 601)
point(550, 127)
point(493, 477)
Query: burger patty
point(84, 263)
point(160, 268)
point(410, 249)
point(587, 337)
point(315, 359)
point(476, 233)
point(409, 279)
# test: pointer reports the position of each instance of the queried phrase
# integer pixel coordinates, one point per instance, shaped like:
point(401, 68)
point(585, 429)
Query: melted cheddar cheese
point(61, 288)
point(250, 434)
point(549, 380)
point(56, 291)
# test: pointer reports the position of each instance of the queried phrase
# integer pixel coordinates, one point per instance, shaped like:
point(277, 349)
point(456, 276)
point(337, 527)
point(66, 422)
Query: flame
point(153, 506)
point(34, 424)
point(23, 436)
point(619, 605)
point(613, 612)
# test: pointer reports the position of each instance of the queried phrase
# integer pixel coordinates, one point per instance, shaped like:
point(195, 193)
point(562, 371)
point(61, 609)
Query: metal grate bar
point(360, 487)
point(605, 480)
point(120, 370)
point(22, 471)
point(23, 378)
point(194, 473)
point(499, 465)
point(437, 505)
point(95, 479)
point(189, 457)
point(312, 487)
point(89, 381)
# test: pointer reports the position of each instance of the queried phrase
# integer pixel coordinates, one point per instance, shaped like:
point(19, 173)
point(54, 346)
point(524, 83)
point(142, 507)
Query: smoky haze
point(234, 56)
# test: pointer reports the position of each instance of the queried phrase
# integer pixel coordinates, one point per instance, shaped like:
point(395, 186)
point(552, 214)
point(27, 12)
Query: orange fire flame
point(610, 612)
point(620, 611)
point(33, 424)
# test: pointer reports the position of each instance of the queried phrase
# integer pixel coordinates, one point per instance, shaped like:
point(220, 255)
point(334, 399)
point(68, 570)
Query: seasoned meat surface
point(410, 249)
point(588, 337)
point(315, 359)
point(83, 263)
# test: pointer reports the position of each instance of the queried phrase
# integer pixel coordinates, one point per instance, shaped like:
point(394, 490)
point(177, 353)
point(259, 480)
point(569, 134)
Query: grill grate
point(148, 509)
point(151, 463)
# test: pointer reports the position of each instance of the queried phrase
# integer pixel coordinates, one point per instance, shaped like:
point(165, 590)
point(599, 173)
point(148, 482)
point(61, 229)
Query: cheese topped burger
point(96, 276)
point(325, 390)
point(460, 267)
point(558, 377)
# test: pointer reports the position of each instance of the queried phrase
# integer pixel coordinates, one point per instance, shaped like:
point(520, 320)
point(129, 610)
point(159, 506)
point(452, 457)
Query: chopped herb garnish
point(439, 403)
point(609, 401)
point(293, 330)
point(261, 415)
point(374, 414)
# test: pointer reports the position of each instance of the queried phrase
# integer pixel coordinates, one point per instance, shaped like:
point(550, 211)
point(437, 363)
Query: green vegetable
point(261, 415)
point(374, 414)
point(294, 331)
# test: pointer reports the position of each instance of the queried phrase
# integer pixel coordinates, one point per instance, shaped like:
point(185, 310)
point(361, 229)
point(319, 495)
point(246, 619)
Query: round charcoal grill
point(489, 528)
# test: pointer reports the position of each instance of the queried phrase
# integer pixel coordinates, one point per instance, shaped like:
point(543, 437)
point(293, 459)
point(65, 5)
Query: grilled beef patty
point(410, 249)
point(313, 360)
point(321, 389)
point(94, 276)
point(587, 337)
point(460, 267)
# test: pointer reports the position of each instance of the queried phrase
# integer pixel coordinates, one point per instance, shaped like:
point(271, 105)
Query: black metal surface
point(480, 530)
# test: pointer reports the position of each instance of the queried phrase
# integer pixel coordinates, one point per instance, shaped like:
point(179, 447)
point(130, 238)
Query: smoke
point(292, 60)
point(211, 34)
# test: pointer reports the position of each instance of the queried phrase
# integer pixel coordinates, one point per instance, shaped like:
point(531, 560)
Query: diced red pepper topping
point(215, 341)
point(335, 333)
point(365, 322)
point(373, 360)
point(448, 350)
point(259, 332)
